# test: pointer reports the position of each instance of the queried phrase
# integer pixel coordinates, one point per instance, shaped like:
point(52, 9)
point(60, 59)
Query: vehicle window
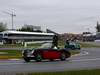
point(46, 45)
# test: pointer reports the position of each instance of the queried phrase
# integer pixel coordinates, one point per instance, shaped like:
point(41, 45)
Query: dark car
point(73, 45)
point(45, 53)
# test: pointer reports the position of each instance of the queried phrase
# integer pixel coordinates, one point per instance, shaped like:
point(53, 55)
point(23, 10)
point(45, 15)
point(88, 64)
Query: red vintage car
point(45, 53)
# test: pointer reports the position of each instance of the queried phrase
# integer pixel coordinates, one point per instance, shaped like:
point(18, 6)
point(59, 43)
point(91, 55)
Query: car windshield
point(72, 43)
point(46, 45)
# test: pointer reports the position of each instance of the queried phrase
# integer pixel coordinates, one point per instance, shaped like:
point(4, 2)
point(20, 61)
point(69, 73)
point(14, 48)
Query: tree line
point(30, 28)
point(26, 28)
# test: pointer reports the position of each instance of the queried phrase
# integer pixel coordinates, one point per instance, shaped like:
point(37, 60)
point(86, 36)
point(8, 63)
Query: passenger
point(55, 47)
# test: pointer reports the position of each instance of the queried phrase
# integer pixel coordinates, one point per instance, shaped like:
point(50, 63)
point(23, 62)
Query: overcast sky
point(59, 15)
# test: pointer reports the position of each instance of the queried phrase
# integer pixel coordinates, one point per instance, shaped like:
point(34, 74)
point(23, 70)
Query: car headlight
point(32, 51)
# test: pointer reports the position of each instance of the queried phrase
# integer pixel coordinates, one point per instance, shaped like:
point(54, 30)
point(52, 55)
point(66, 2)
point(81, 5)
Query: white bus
point(20, 37)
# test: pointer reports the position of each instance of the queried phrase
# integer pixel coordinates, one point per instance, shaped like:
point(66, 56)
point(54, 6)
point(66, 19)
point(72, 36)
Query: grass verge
point(85, 45)
point(20, 46)
point(81, 72)
point(10, 54)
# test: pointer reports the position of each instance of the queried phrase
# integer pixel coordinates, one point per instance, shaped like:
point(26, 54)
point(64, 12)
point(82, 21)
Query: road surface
point(89, 58)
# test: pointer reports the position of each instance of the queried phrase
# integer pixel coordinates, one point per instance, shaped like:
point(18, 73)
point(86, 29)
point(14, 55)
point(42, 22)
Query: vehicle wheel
point(26, 60)
point(79, 48)
point(63, 56)
point(38, 58)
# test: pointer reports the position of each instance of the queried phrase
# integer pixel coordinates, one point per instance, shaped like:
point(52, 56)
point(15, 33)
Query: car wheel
point(63, 56)
point(26, 59)
point(38, 58)
point(79, 48)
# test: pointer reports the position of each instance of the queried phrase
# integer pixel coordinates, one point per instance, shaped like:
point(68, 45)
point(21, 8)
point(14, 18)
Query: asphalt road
point(89, 58)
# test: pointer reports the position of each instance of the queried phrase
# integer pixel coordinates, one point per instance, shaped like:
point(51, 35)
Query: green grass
point(20, 46)
point(81, 72)
point(11, 46)
point(85, 45)
point(10, 54)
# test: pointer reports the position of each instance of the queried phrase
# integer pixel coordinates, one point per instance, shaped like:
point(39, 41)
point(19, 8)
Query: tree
point(26, 28)
point(98, 27)
point(29, 28)
point(2, 27)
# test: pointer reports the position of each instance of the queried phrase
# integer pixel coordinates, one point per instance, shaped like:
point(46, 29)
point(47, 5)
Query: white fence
point(26, 43)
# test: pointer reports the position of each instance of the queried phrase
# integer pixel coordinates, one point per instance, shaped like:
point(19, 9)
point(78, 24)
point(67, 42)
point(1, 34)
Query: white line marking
point(14, 59)
point(81, 54)
point(85, 53)
point(87, 59)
